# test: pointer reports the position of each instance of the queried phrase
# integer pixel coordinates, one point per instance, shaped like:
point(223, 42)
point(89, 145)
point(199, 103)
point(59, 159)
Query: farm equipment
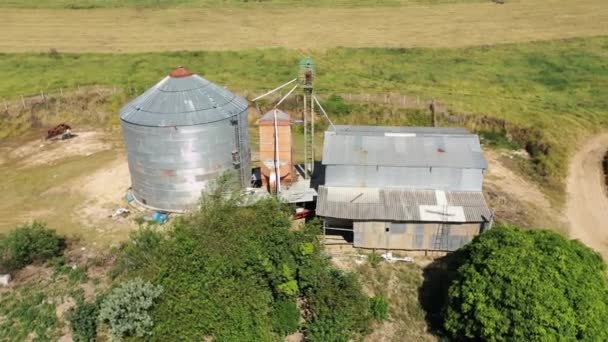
point(63, 130)
point(302, 213)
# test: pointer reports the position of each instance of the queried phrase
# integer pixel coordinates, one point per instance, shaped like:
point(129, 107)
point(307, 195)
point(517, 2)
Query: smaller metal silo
point(182, 134)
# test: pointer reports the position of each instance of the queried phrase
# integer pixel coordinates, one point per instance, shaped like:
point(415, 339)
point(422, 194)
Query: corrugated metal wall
point(414, 236)
point(170, 166)
point(449, 179)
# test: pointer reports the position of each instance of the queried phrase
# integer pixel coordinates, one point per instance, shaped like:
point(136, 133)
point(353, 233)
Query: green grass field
point(555, 91)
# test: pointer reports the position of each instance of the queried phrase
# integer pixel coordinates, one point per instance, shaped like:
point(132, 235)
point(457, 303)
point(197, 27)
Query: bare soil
point(104, 192)
point(515, 199)
point(587, 204)
point(45, 152)
point(73, 185)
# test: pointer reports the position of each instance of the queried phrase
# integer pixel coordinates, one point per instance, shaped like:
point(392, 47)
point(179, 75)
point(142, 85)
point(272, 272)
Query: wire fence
point(61, 98)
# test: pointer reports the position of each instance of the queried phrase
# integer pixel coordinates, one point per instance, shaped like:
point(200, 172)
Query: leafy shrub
point(528, 286)
point(285, 317)
point(247, 293)
point(379, 308)
point(498, 140)
point(126, 308)
point(335, 105)
point(339, 307)
point(29, 244)
point(83, 321)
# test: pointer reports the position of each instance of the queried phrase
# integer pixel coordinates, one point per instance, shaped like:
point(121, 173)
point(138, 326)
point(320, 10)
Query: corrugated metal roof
point(183, 101)
point(381, 130)
point(399, 204)
point(403, 149)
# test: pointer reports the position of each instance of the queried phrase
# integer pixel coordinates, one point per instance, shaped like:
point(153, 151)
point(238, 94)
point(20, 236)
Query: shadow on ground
point(433, 293)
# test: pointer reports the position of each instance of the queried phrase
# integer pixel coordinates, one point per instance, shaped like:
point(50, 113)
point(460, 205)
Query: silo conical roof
point(182, 99)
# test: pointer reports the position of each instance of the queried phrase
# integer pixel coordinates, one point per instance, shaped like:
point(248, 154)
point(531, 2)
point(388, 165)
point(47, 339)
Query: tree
point(529, 286)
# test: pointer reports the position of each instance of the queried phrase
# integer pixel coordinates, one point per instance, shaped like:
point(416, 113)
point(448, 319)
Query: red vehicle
point(302, 213)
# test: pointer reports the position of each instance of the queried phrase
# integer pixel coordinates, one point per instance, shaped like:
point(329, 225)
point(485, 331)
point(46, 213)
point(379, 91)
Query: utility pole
point(306, 76)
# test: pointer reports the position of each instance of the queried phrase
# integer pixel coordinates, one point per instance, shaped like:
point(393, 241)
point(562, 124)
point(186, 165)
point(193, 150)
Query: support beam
point(274, 90)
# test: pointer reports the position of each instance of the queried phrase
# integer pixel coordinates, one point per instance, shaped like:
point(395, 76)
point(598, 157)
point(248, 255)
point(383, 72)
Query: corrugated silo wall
point(244, 149)
point(170, 166)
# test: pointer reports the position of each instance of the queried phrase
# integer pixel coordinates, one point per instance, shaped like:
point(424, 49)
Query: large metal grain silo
point(181, 134)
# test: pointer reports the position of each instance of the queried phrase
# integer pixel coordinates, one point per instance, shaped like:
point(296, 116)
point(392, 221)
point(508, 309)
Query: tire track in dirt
point(587, 204)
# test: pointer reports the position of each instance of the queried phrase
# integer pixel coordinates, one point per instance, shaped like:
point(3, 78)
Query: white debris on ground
point(388, 257)
point(5, 279)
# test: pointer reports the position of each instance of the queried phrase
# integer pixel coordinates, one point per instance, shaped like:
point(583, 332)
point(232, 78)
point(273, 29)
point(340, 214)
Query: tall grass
point(91, 4)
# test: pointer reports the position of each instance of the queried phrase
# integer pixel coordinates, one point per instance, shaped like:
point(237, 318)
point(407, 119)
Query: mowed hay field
point(137, 29)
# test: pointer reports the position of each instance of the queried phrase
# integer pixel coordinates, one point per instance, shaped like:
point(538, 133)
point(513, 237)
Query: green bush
point(379, 308)
point(528, 286)
point(126, 309)
point(29, 244)
point(83, 321)
point(498, 140)
point(339, 308)
point(233, 273)
point(285, 317)
point(335, 105)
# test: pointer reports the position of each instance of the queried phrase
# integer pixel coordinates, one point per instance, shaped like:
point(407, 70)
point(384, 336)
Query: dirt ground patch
point(443, 25)
point(44, 152)
point(104, 191)
point(72, 185)
point(515, 199)
point(587, 206)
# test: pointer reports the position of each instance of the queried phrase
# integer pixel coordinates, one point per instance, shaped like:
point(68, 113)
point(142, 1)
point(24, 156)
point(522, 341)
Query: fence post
point(417, 100)
point(403, 101)
point(5, 104)
point(22, 102)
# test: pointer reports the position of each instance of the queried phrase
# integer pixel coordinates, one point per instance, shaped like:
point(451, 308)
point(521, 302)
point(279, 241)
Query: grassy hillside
point(303, 25)
point(545, 95)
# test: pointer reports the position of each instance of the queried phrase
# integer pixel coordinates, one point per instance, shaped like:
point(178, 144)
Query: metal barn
point(180, 135)
point(409, 188)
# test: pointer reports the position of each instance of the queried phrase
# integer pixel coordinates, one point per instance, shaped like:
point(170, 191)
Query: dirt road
point(587, 206)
